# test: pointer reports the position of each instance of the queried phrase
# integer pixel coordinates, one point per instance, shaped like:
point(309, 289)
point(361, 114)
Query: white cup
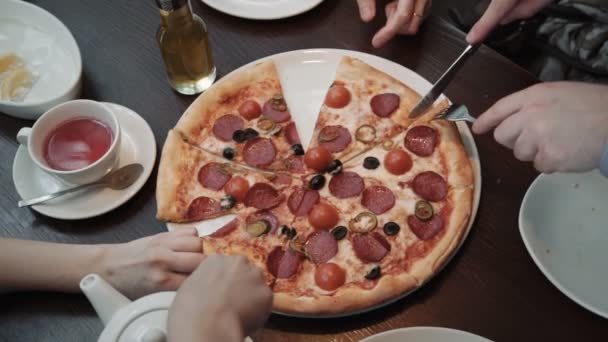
point(34, 139)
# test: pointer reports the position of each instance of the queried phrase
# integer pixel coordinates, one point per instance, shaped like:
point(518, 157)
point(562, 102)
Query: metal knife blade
point(443, 82)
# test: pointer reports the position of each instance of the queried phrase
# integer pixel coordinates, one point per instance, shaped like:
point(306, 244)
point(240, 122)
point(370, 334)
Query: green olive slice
point(258, 228)
point(424, 210)
point(365, 134)
point(297, 246)
point(266, 124)
point(387, 145)
point(365, 222)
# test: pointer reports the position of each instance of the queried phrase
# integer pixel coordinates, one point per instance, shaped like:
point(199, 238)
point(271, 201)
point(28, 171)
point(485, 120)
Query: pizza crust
point(224, 96)
point(346, 299)
point(353, 70)
point(457, 161)
point(461, 201)
point(174, 168)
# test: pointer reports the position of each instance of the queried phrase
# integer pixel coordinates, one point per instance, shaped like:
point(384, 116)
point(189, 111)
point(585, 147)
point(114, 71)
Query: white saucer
point(263, 9)
point(425, 334)
point(563, 221)
point(137, 146)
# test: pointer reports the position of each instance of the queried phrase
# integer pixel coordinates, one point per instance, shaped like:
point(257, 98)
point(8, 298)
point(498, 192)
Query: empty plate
point(425, 334)
point(563, 221)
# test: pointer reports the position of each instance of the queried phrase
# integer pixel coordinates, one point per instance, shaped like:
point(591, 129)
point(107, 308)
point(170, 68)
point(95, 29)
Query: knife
point(443, 82)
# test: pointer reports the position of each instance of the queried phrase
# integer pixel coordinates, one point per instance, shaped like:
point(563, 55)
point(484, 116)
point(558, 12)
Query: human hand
point(225, 299)
point(503, 12)
point(561, 126)
point(154, 263)
point(402, 17)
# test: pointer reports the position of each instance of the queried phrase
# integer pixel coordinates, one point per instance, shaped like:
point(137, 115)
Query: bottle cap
point(170, 5)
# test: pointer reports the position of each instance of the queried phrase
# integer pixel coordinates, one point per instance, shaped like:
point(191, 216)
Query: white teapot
point(143, 320)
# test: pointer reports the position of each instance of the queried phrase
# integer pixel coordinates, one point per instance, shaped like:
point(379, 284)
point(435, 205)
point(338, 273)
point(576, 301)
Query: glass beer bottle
point(182, 38)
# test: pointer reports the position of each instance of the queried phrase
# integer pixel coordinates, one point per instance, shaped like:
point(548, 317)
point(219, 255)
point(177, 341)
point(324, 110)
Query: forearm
point(35, 265)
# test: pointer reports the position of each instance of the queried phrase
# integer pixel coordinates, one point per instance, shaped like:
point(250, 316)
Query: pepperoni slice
point(378, 199)
point(282, 179)
point(321, 246)
point(283, 264)
point(346, 184)
point(430, 186)
point(334, 138)
point(301, 201)
point(296, 164)
point(226, 229)
point(329, 276)
point(370, 247)
point(225, 126)
point(211, 176)
point(275, 114)
point(259, 152)
point(425, 230)
point(421, 140)
point(263, 196)
point(385, 104)
point(291, 134)
point(271, 218)
point(203, 208)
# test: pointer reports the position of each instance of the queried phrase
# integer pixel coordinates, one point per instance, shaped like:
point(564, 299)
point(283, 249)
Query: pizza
point(245, 119)
point(370, 211)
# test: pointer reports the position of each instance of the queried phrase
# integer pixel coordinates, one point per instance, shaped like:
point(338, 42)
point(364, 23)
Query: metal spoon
point(116, 180)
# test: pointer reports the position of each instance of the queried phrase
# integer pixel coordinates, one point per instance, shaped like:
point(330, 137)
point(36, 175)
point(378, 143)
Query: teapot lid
point(144, 320)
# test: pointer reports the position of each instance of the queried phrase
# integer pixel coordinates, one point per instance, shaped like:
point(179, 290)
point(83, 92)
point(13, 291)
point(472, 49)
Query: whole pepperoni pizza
point(371, 210)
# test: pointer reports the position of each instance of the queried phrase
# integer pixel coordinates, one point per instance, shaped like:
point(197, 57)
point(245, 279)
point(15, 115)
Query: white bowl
point(49, 50)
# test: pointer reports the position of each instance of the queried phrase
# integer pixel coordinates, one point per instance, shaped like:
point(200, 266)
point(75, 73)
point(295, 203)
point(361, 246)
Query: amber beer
point(184, 44)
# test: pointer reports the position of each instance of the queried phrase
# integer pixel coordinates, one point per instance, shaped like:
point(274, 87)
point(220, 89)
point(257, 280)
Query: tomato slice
point(329, 276)
point(397, 161)
point(237, 187)
point(323, 216)
point(317, 158)
point(250, 110)
point(337, 97)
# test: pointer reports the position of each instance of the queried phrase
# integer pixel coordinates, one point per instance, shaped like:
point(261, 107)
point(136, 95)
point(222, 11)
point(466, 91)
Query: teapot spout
point(105, 299)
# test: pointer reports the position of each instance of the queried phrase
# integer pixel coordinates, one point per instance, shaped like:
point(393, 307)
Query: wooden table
point(491, 287)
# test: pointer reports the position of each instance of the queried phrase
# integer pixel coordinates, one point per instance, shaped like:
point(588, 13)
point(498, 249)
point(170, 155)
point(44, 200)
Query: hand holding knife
point(443, 81)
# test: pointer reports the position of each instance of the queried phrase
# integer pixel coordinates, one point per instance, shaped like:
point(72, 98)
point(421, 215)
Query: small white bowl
point(49, 50)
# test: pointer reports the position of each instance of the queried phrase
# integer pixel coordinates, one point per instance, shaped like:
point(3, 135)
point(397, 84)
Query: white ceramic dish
point(137, 146)
point(425, 334)
point(563, 221)
point(50, 51)
point(305, 77)
point(263, 9)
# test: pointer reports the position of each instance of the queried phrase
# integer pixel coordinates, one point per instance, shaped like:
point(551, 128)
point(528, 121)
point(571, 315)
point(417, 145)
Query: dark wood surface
point(491, 287)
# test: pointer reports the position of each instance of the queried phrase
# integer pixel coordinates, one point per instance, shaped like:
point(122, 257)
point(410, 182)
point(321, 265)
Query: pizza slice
point(194, 185)
point(428, 173)
point(363, 107)
point(244, 118)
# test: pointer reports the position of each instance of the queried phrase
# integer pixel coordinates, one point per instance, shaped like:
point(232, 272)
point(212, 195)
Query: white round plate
point(137, 146)
point(425, 334)
point(49, 50)
point(263, 9)
point(563, 221)
point(305, 77)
